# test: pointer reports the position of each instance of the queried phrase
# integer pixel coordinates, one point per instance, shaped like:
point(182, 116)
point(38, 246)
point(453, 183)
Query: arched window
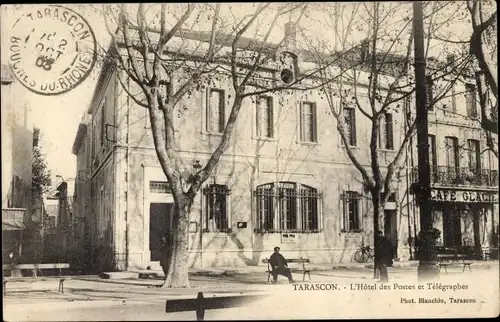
point(287, 206)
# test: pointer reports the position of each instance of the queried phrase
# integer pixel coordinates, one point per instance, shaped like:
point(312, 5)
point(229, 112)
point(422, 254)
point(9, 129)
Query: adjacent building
point(464, 173)
point(285, 179)
point(17, 142)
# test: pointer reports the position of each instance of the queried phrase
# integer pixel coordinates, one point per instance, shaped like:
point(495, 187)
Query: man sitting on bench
point(279, 266)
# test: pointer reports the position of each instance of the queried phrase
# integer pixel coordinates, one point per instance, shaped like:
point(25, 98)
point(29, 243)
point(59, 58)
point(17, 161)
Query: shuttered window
point(264, 115)
point(215, 111)
point(350, 125)
point(308, 131)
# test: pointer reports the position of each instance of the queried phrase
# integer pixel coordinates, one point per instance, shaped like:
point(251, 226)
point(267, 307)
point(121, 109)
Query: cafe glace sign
point(463, 196)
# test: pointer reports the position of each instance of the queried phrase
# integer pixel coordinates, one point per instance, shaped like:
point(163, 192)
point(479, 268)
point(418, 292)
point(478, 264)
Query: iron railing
point(461, 176)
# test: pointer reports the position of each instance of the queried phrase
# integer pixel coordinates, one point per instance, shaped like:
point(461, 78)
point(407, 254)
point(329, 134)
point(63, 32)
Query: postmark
point(52, 49)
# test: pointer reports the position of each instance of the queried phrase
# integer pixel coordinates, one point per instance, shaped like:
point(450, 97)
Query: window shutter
point(389, 132)
point(222, 116)
point(208, 118)
point(353, 127)
point(314, 123)
point(430, 93)
point(301, 121)
point(270, 119)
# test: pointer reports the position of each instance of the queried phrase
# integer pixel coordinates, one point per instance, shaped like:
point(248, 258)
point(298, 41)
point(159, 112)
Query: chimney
point(290, 35)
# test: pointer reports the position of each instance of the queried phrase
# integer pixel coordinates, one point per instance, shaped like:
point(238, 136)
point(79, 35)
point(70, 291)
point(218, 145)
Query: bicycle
point(363, 254)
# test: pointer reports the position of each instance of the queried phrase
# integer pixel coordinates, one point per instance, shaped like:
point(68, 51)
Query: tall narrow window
point(216, 197)
point(216, 111)
point(430, 93)
point(386, 136)
point(432, 156)
point(453, 100)
point(287, 200)
point(308, 122)
point(265, 117)
point(309, 208)
point(351, 213)
point(350, 125)
point(474, 155)
point(452, 157)
point(265, 206)
point(470, 100)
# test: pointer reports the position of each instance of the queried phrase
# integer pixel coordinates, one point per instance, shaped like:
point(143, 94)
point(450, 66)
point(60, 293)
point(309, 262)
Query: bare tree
point(148, 52)
point(383, 69)
point(482, 44)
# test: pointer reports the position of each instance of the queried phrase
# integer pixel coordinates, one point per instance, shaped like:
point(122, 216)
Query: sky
point(58, 116)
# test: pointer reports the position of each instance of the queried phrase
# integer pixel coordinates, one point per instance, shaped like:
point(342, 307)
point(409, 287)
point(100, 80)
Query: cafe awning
point(13, 219)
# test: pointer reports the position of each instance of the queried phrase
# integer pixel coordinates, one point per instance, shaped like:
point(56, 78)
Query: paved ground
point(91, 298)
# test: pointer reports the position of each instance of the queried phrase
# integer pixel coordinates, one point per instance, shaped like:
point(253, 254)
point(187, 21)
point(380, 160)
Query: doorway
point(160, 215)
point(452, 233)
point(391, 230)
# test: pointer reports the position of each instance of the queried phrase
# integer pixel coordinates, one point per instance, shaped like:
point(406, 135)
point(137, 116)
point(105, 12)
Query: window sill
point(212, 133)
point(222, 231)
point(357, 231)
point(387, 150)
point(294, 231)
point(351, 146)
point(308, 143)
point(265, 139)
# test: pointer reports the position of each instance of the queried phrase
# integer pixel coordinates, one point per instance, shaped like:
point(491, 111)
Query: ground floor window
point(287, 206)
point(216, 208)
point(351, 214)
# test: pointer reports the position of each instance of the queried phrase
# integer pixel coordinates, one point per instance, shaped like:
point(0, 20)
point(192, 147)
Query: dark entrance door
point(452, 234)
point(159, 226)
point(391, 229)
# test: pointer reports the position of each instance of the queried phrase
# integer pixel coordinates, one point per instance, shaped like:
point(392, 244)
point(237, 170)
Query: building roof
point(350, 57)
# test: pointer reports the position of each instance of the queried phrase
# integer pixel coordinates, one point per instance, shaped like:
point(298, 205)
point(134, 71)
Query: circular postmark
point(52, 49)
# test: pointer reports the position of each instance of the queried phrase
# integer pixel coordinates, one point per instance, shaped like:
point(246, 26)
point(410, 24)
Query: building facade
point(464, 174)
point(17, 142)
point(285, 180)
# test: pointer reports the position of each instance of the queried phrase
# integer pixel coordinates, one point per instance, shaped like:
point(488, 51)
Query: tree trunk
point(378, 213)
point(175, 252)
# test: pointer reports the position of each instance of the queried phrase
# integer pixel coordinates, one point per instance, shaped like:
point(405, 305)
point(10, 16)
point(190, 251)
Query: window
point(308, 122)
point(216, 208)
point(216, 111)
point(351, 213)
point(432, 156)
point(386, 135)
point(452, 161)
point(474, 155)
point(103, 120)
point(453, 100)
point(350, 125)
point(287, 206)
point(430, 93)
point(470, 100)
point(265, 126)
point(159, 187)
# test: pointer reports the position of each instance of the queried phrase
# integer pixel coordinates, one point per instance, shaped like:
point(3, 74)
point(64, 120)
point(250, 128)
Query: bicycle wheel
point(360, 256)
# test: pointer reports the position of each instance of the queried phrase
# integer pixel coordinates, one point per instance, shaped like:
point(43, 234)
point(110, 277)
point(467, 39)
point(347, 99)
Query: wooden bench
point(201, 303)
point(302, 270)
point(35, 268)
point(445, 260)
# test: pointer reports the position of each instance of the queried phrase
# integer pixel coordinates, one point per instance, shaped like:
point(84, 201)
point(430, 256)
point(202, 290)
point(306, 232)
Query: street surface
point(134, 300)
